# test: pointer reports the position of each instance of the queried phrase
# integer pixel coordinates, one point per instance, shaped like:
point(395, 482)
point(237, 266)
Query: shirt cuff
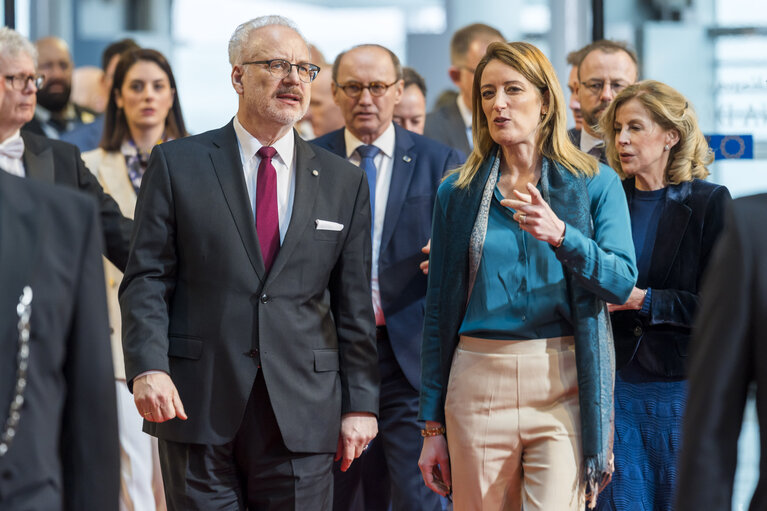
point(145, 373)
point(645, 310)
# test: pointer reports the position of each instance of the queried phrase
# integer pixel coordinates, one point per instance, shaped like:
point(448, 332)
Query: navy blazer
point(692, 218)
point(419, 166)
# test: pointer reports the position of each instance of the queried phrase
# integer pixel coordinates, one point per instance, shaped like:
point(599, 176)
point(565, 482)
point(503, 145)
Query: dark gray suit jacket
point(446, 125)
point(197, 303)
point(65, 454)
point(52, 161)
point(728, 353)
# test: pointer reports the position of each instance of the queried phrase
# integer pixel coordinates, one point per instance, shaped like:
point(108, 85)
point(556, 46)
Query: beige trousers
point(513, 426)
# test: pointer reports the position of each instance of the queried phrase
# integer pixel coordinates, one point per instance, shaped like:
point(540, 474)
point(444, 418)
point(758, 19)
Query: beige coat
point(112, 173)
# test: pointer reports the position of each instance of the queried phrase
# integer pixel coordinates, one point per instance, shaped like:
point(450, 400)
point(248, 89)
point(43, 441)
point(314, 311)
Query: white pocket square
point(327, 225)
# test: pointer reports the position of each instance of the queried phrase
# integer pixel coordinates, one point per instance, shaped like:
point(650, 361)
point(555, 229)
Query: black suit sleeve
point(149, 279)
point(89, 440)
point(115, 226)
point(721, 369)
point(349, 287)
point(678, 307)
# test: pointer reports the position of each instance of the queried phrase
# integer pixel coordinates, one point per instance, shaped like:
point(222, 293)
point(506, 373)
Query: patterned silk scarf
point(136, 161)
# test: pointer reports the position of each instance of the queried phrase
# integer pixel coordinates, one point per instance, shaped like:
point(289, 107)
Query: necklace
point(24, 310)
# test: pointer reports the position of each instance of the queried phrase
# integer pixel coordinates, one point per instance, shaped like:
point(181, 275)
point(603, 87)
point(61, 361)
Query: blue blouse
point(646, 209)
point(520, 290)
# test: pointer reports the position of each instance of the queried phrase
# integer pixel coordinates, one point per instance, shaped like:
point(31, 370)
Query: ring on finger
point(147, 414)
point(522, 218)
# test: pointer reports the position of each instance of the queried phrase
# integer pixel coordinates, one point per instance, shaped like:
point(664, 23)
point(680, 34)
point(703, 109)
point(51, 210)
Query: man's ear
point(237, 79)
point(455, 74)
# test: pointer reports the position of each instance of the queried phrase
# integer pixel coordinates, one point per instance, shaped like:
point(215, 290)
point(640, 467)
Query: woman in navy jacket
point(654, 143)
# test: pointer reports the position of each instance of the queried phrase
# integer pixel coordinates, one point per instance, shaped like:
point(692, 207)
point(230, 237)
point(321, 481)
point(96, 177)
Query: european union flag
point(732, 147)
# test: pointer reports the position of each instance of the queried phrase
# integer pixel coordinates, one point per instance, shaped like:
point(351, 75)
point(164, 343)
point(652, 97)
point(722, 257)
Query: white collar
point(385, 142)
point(249, 145)
point(465, 112)
point(588, 141)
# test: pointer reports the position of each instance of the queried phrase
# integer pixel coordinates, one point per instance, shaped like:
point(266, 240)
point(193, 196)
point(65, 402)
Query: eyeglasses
point(20, 82)
point(597, 86)
point(280, 68)
point(354, 89)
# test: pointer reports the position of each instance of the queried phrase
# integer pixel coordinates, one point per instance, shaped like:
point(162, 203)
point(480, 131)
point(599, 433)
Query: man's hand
point(156, 398)
point(435, 464)
point(425, 264)
point(357, 430)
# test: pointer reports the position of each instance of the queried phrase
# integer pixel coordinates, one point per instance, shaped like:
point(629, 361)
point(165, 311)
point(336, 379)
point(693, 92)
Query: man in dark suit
point(43, 159)
point(58, 417)
point(451, 124)
point(403, 173)
point(727, 356)
point(606, 68)
point(248, 330)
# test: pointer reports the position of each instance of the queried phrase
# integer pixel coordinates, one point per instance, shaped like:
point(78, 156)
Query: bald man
point(56, 113)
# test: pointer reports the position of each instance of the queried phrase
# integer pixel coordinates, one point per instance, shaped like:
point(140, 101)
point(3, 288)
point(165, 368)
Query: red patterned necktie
point(267, 216)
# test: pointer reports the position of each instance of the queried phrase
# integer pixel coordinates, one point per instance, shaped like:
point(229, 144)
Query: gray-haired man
point(247, 297)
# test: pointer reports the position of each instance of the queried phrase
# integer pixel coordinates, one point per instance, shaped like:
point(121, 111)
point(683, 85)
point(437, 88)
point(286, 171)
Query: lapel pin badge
point(407, 158)
point(315, 172)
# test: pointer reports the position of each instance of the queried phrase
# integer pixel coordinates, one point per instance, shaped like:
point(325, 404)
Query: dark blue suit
point(418, 167)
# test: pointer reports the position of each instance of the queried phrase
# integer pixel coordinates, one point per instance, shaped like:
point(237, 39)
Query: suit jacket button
point(637, 331)
point(264, 298)
point(7, 475)
point(253, 353)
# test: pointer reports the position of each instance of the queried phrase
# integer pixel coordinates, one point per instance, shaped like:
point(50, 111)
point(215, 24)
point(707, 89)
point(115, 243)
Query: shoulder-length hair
point(115, 124)
point(688, 158)
point(552, 140)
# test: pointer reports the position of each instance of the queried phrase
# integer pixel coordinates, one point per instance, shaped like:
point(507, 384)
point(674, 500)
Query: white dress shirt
point(284, 165)
point(384, 161)
point(588, 142)
point(13, 166)
point(466, 116)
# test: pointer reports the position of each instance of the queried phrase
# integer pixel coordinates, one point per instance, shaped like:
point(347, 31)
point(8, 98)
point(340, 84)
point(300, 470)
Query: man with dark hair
point(88, 136)
point(606, 68)
point(403, 170)
point(410, 112)
point(451, 124)
point(55, 113)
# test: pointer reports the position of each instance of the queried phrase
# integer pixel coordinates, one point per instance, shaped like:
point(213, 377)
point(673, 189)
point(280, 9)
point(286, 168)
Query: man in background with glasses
point(248, 330)
point(451, 124)
point(606, 68)
point(403, 172)
point(28, 155)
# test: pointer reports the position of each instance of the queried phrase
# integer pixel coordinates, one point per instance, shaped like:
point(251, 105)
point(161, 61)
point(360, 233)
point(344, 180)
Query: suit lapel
point(307, 184)
point(38, 161)
point(18, 246)
point(403, 163)
point(674, 220)
point(114, 175)
point(225, 157)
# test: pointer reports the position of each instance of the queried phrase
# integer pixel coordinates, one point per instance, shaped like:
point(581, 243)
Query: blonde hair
point(669, 109)
point(553, 141)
